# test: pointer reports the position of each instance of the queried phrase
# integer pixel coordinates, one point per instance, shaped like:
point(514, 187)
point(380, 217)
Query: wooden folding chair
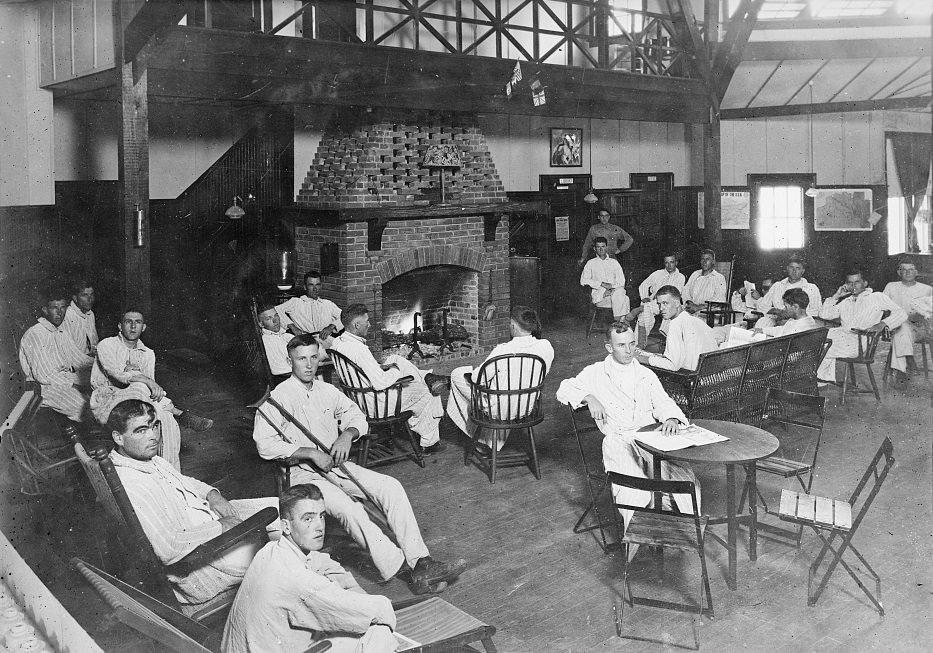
point(155, 619)
point(138, 552)
point(506, 396)
point(383, 410)
point(796, 455)
point(834, 517)
point(590, 476)
point(654, 525)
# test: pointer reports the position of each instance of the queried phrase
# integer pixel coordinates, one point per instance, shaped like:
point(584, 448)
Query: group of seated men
point(83, 378)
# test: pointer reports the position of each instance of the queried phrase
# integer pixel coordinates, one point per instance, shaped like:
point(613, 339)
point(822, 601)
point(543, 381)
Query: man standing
point(669, 275)
point(618, 240)
point(857, 307)
point(336, 422)
point(687, 336)
point(427, 408)
point(178, 513)
point(80, 324)
point(125, 369)
point(604, 276)
point(48, 356)
point(524, 327)
point(311, 313)
point(772, 304)
point(704, 285)
point(293, 596)
point(904, 293)
point(623, 396)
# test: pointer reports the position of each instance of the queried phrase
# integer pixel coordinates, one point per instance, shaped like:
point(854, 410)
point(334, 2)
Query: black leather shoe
point(437, 447)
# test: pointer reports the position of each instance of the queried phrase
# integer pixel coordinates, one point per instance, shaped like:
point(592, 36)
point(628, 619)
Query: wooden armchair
point(139, 555)
point(867, 345)
point(722, 313)
point(383, 410)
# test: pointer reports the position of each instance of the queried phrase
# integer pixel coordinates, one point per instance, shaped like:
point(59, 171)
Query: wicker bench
point(731, 383)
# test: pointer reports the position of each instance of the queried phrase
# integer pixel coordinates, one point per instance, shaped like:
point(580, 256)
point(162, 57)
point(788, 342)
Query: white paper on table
point(689, 436)
point(405, 643)
point(749, 288)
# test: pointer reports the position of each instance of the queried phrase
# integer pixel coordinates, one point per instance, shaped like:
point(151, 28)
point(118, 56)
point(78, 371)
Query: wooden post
point(712, 183)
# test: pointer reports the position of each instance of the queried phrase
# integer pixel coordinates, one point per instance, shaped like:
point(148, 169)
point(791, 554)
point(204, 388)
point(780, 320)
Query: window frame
point(802, 180)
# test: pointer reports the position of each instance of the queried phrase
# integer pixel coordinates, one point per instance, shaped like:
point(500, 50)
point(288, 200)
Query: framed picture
point(566, 147)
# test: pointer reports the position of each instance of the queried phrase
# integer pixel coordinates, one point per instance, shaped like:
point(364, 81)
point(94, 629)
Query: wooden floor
point(547, 589)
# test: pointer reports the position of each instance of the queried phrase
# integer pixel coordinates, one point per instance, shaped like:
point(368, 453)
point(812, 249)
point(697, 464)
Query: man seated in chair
point(80, 323)
point(687, 336)
point(856, 306)
point(746, 302)
point(604, 276)
point(624, 396)
point(275, 341)
point(525, 329)
point(293, 596)
point(669, 275)
point(125, 369)
point(905, 294)
point(49, 357)
point(794, 317)
point(704, 285)
point(420, 395)
point(177, 512)
point(311, 313)
point(772, 304)
point(336, 421)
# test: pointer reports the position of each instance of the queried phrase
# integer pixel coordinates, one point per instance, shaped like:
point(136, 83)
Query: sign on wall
point(736, 209)
point(842, 209)
point(562, 227)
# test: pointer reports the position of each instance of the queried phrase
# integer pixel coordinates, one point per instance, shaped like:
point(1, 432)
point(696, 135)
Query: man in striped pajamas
point(48, 357)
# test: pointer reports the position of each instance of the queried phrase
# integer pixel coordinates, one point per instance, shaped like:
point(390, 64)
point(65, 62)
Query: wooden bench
point(731, 383)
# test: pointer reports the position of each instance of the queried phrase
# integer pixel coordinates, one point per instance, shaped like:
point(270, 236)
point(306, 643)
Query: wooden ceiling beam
point(153, 16)
point(890, 104)
point(842, 49)
point(729, 54)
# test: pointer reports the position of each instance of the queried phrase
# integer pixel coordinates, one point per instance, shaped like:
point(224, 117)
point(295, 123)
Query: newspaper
point(689, 436)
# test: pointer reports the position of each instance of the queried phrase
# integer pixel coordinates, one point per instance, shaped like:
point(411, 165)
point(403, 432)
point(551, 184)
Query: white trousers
point(617, 300)
point(427, 409)
point(845, 345)
point(902, 342)
point(389, 495)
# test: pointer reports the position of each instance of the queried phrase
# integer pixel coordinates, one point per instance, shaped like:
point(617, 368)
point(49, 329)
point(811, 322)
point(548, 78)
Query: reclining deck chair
point(590, 476)
point(139, 554)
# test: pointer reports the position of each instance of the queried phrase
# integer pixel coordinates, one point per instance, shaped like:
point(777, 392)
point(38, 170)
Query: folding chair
point(591, 476)
point(657, 526)
point(383, 410)
point(601, 313)
point(506, 396)
point(139, 554)
point(866, 357)
point(834, 517)
point(796, 455)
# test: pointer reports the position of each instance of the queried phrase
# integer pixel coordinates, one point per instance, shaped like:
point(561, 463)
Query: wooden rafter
point(890, 104)
point(841, 49)
point(687, 32)
point(729, 54)
point(152, 17)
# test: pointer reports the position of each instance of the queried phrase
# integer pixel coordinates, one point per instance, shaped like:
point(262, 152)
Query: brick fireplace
point(367, 197)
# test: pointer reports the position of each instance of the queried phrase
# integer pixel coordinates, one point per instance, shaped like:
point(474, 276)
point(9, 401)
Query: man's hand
point(388, 366)
point(877, 328)
point(756, 294)
point(597, 410)
point(691, 307)
point(340, 450)
point(155, 390)
point(294, 330)
point(642, 356)
point(327, 331)
point(840, 292)
point(321, 460)
point(221, 506)
point(581, 261)
point(606, 285)
point(226, 523)
point(670, 426)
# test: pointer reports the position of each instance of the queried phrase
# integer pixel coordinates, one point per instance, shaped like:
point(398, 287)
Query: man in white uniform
point(904, 293)
point(293, 596)
point(275, 339)
point(311, 313)
point(772, 304)
point(687, 336)
point(604, 276)
point(669, 275)
point(704, 285)
point(524, 327)
point(427, 408)
point(857, 307)
point(796, 315)
point(623, 396)
point(80, 324)
point(336, 422)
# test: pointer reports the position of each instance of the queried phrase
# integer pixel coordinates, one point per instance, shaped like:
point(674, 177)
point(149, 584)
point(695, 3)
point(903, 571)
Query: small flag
point(508, 89)
point(538, 97)
point(517, 73)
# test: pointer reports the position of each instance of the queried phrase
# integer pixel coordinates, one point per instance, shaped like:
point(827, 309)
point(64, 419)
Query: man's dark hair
point(797, 258)
point(312, 274)
point(675, 256)
point(617, 327)
point(527, 319)
point(52, 293)
point(669, 290)
point(264, 305)
point(600, 239)
point(708, 251)
point(296, 493)
point(852, 272)
point(77, 285)
point(304, 340)
point(131, 309)
point(797, 296)
point(352, 312)
point(126, 410)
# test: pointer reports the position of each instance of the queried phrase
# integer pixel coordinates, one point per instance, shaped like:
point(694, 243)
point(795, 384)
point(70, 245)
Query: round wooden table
point(746, 445)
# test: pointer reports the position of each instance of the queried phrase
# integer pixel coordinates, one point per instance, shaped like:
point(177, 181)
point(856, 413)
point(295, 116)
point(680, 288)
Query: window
point(779, 216)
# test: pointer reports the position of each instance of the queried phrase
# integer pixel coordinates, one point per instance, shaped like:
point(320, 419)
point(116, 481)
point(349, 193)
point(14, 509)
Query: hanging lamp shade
point(236, 211)
point(590, 197)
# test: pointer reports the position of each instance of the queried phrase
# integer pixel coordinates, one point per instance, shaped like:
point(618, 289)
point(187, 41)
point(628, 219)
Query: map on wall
point(735, 212)
point(847, 209)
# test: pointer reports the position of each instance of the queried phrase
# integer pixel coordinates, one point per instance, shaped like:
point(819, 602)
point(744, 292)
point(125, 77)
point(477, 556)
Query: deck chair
point(140, 558)
point(596, 482)
point(505, 396)
point(834, 517)
point(722, 313)
point(383, 410)
point(436, 625)
point(155, 619)
point(657, 526)
point(867, 345)
point(796, 454)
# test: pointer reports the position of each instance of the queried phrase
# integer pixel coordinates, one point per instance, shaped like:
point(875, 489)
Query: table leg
point(731, 518)
point(752, 483)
